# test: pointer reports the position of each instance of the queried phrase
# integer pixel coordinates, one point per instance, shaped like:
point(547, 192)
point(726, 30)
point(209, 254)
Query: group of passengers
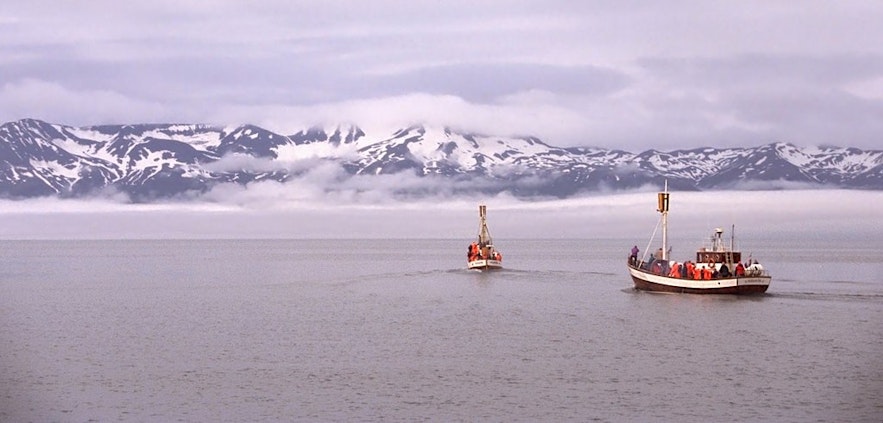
point(482, 252)
point(687, 269)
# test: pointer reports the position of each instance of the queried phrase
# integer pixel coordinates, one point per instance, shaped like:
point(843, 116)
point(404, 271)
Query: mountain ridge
point(156, 161)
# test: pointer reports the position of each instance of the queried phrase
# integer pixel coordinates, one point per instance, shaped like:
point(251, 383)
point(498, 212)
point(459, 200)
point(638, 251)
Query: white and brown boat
point(481, 254)
point(718, 269)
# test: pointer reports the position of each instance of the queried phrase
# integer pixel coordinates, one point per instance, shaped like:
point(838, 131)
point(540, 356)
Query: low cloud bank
point(316, 182)
point(274, 210)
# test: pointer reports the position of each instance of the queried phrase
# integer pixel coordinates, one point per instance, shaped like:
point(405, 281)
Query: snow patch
point(55, 168)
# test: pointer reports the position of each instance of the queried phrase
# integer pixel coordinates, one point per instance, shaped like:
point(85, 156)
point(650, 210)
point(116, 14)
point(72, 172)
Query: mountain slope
point(167, 160)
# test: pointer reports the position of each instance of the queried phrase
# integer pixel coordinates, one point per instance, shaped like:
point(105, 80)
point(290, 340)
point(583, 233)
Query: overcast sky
point(617, 74)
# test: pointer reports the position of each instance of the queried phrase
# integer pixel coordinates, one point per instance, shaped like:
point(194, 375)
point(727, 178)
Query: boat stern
point(483, 264)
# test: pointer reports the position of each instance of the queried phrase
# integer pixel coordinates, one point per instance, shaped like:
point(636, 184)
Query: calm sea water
point(392, 330)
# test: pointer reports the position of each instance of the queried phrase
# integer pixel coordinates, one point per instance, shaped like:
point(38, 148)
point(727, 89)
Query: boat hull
point(484, 264)
point(750, 285)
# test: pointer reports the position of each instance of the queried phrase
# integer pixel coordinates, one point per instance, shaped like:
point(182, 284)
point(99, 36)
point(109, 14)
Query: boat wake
point(500, 275)
point(829, 296)
point(393, 276)
point(539, 275)
point(732, 297)
point(875, 298)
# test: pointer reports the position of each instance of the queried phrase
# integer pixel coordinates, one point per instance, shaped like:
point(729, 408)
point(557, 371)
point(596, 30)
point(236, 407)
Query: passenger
point(706, 273)
point(684, 270)
point(740, 270)
point(675, 270)
point(724, 271)
point(754, 269)
point(697, 273)
point(690, 270)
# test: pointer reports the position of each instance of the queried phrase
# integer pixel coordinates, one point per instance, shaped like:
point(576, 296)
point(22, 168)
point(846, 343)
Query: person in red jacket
point(675, 270)
point(691, 270)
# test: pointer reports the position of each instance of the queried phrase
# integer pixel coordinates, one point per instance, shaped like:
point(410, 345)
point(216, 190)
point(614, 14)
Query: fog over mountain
point(799, 215)
point(187, 162)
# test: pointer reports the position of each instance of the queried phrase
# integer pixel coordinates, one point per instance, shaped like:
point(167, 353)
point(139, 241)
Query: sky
point(623, 74)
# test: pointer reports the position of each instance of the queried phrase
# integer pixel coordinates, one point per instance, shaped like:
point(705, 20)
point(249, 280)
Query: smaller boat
point(481, 255)
point(718, 269)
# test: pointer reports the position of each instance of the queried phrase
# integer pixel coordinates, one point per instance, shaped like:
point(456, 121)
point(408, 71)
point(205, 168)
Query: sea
point(397, 330)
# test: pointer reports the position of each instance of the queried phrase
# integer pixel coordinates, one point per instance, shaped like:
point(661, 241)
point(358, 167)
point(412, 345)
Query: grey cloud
point(752, 70)
point(486, 82)
point(668, 75)
point(796, 99)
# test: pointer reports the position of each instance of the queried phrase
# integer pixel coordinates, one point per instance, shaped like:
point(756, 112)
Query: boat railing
point(755, 270)
point(648, 266)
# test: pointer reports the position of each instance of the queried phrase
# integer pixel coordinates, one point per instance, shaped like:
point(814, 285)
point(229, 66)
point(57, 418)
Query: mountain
point(158, 161)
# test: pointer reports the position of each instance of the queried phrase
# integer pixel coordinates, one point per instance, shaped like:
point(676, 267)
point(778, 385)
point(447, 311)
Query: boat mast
point(484, 236)
point(662, 199)
point(732, 244)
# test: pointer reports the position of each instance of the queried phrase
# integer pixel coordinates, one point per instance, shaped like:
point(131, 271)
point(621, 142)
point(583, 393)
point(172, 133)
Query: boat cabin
point(703, 256)
point(718, 253)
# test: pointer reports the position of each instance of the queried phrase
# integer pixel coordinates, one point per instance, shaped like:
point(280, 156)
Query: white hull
point(734, 285)
point(485, 264)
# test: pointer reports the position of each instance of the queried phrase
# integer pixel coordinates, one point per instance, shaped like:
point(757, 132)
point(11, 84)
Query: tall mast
point(484, 236)
point(662, 199)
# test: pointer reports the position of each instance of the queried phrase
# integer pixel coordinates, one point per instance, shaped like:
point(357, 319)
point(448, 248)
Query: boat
point(717, 269)
point(481, 254)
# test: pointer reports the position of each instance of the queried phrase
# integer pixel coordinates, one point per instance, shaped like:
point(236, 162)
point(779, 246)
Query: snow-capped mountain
point(165, 160)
